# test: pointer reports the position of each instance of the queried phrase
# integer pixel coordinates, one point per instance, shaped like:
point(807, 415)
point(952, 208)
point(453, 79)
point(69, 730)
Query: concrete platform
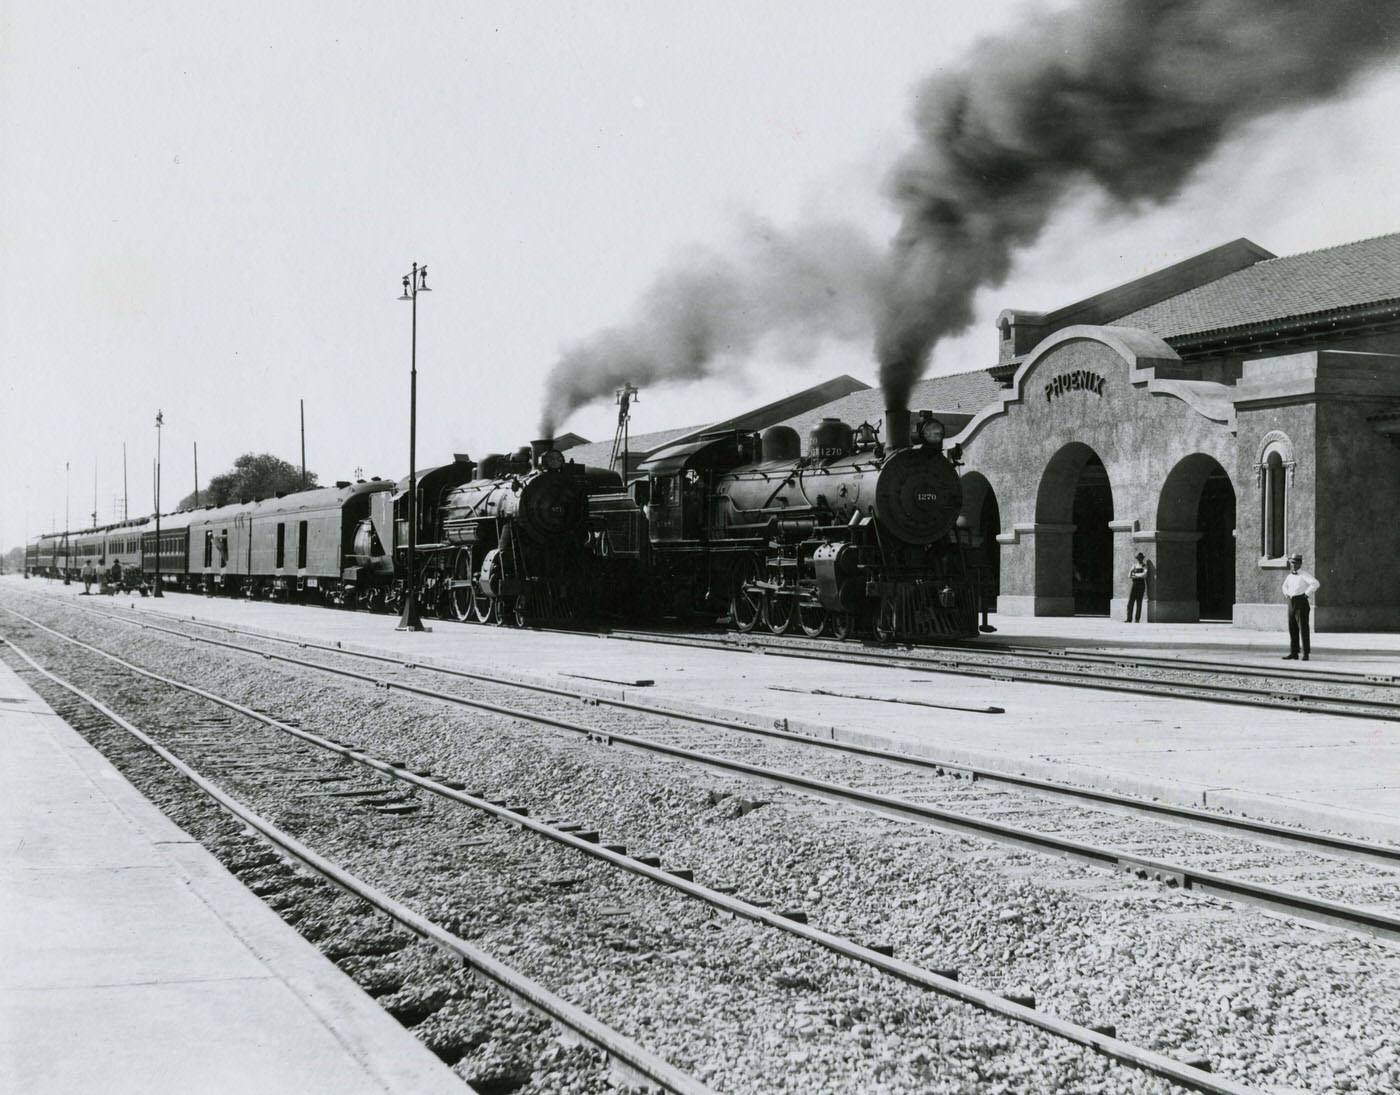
point(131, 961)
point(1321, 771)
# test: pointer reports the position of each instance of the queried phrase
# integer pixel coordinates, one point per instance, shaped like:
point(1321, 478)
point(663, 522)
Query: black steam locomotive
point(502, 542)
point(854, 536)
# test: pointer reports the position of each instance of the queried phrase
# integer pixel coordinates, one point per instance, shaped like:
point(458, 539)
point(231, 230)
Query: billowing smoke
point(787, 290)
point(1130, 95)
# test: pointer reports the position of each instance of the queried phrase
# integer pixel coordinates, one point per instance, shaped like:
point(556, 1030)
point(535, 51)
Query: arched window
point(1274, 474)
point(1275, 507)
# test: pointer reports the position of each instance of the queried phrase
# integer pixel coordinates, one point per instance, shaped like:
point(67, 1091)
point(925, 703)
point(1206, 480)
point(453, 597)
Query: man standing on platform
point(1138, 577)
point(1298, 587)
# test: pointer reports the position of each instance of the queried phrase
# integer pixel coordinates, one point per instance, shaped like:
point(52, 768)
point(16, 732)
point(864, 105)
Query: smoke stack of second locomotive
point(539, 448)
point(896, 428)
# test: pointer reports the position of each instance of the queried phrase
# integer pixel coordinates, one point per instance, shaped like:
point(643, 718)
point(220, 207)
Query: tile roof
point(598, 453)
point(965, 393)
point(1342, 277)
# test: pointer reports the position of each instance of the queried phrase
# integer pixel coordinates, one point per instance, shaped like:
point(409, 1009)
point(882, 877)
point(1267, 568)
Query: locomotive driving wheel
point(460, 596)
point(745, 607)
point(811, 619)
point(779, 610)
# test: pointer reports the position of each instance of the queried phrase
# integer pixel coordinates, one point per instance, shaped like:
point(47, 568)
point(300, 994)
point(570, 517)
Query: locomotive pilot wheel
point(745, 607)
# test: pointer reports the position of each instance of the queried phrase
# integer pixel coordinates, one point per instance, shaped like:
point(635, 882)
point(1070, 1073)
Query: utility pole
point(196, 475)
point(160, 421)
point(67, 561)
point(303, 444)
point(126, 510)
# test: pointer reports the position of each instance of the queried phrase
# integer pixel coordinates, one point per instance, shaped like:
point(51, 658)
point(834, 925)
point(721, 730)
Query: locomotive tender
point(855, 535)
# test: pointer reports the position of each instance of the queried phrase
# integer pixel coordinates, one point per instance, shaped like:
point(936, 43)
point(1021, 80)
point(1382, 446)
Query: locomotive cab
point(681, 479)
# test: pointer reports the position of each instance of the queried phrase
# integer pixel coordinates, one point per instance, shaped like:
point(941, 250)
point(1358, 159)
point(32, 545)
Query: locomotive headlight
point(552, 460)
point(931, 431)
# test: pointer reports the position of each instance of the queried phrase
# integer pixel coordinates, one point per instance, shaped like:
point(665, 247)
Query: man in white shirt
point(1298, 587)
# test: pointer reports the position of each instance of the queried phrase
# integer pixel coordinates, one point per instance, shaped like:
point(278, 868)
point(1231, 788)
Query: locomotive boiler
point(518, 530)
point(855, 535)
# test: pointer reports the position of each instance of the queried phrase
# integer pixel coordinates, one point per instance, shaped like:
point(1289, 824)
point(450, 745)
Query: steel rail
point(1384, 681)
point(1105, 1044)
point(1234, 825)
point(1381, 925)
point(760, 640)
point(1202, 692)
point(619, 1050)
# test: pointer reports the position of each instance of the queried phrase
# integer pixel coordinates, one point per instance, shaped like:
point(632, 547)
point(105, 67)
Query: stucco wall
point(1139, 435)
point(1258, 581)
point(1358, 520)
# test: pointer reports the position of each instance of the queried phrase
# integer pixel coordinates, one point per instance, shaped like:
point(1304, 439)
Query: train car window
point(663, 491)
point(208, 547)
point(301, 545)
point(223, 548)
point(281, 546)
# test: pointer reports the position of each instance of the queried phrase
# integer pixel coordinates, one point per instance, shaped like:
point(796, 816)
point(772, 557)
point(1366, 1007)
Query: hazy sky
point(207, 208)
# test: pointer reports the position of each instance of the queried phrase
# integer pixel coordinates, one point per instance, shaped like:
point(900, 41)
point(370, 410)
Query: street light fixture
point(414, 282)
point(160, 421)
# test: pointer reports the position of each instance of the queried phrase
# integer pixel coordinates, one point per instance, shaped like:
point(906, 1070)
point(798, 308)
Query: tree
point(254, 475)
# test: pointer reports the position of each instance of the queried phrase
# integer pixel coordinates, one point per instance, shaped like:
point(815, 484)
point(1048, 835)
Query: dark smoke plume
point(786, 289)
point(1130, 95)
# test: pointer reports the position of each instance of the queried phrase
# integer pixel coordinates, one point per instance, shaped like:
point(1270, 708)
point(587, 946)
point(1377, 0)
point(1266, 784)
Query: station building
point(1217, 415)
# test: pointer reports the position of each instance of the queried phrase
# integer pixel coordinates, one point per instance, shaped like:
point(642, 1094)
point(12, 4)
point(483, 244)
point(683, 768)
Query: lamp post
point(414, 282)
point(160, 421)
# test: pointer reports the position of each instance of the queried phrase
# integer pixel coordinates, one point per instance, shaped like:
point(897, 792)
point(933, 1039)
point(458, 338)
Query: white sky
point(207, 208)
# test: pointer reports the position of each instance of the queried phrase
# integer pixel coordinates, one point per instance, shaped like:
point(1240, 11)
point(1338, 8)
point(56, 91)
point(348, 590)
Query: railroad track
point(634, 1061)
point(1133, 854)
point(1386, 855)
point(628, 1059)
point(1079, 669)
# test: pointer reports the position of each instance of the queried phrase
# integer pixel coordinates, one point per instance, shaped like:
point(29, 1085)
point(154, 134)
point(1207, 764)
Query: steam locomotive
point(855, 536)
point(505, 541)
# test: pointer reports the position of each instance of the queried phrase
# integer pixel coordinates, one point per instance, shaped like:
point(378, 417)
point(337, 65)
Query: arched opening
point(1195, 568)
point(990, 525)
point(1074, 544)
point(1215, 553)
point(1093, 540)
point(981, 516)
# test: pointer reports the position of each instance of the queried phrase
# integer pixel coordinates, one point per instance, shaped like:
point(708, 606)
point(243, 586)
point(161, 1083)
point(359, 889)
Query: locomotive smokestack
point(539, 448)
point(896, 428)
